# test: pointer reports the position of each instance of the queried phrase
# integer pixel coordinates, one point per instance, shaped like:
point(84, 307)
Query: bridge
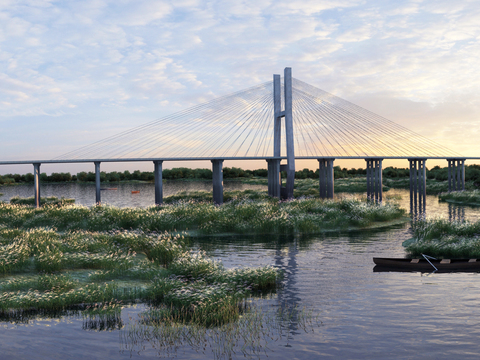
point(279, 121)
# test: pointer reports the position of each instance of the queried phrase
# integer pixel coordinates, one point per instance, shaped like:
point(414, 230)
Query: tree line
point(472, 173)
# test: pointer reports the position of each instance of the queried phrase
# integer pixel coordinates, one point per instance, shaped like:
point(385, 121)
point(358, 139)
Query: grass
point(441, 238)
point(46, 270)
point(240, 215)
point(434, 187)
point(471, 197)
point(62, 257)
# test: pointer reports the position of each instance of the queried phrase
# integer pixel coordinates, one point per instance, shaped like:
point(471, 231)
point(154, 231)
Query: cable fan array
point(241, 125)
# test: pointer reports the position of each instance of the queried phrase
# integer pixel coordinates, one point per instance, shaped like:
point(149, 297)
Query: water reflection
point(418, 205)
point(103, 321)
point(456, 212)
point(143, 196)
point(106, 322)
point(418, 210)
point(288, 298)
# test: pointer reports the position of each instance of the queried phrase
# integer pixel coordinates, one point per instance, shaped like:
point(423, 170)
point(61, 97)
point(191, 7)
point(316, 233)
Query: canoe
point(398, 264)
point(135, 191)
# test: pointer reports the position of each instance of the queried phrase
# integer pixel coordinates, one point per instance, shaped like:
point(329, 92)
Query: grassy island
point(443, 239)
point(471, 197)
point(64, 256)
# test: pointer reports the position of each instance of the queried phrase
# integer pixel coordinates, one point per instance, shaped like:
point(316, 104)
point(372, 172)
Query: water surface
point(363, 315)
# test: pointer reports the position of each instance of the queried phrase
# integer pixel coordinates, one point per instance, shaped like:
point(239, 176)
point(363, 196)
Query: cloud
point(115, 64)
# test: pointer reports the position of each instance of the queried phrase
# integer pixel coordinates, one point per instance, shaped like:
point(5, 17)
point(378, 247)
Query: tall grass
point(444, 239)
point(250, 336)
point(239, 215)
point(471, 197)
point(161, 265)
point(60, 257)
point(434, 187)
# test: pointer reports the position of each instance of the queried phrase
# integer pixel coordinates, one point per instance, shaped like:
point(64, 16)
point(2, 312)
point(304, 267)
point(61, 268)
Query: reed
point(434, 187)
point(471, 197)
point(188, 283)
point(243, 216)
point(444, 239)
point(249, 336)
point(103, 317)
point(64, 257)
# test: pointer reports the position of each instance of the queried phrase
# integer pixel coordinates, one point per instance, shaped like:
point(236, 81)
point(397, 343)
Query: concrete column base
point(326, 178)
point(36, 184)
point(158, 182)
point(98, 199)
point(274, 178)
point(418, 186)
point(374, 179)
point(217, 168)
point(456, 175)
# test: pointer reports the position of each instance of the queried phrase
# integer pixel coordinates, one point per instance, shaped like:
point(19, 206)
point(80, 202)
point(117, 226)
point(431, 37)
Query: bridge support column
point(287, 192)
point(456, 175)
point(36, 184)
point(274, 178)
point(325, 172)
point(418, 185)
point(374, 179)
point(158, 182)
point(97, 183)
point(217, 166)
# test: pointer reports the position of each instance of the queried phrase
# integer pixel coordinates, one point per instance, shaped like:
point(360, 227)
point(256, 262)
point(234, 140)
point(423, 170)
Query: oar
point(426, 258)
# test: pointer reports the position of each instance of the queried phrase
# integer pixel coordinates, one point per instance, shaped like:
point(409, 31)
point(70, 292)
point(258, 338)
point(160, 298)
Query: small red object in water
point(135, 191)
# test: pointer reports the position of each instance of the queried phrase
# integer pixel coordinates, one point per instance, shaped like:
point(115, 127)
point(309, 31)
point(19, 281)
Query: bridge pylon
point(274, 164)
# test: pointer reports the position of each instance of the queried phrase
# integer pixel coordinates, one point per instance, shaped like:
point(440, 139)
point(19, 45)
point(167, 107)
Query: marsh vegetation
point(469, 197)
point(445, 239)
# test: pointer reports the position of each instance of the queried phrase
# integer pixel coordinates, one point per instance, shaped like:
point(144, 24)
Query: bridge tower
point(274, 167)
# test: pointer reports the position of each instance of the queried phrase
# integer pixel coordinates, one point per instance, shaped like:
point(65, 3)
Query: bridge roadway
point(456, 174)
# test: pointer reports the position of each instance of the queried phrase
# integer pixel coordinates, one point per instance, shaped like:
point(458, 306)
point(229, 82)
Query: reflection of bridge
point(240, 127)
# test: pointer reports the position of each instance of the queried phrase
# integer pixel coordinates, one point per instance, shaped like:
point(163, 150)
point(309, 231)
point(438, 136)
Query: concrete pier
point(157, 172)
point(374, 179)
point(326, 178)
point(217, 168)
point(274, 177)
point(456, 175)
point(98, 199)
point(418, 186)
point(36, 184)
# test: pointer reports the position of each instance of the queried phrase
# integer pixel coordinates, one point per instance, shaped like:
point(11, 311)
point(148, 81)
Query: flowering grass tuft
point(444, 239)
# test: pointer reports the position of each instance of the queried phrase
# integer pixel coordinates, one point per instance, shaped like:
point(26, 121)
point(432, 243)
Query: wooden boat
point(443, 265)
point(135, 191)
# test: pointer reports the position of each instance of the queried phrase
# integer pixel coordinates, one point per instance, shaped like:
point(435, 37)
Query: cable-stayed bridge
point(280, 120)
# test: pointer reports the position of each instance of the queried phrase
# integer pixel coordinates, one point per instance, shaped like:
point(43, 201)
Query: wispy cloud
point(111, 65)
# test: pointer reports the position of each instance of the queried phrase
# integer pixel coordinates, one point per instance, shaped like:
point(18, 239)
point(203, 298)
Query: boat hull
point(444, 265)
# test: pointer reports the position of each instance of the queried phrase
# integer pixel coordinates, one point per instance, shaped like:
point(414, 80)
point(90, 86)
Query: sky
point(75, 72)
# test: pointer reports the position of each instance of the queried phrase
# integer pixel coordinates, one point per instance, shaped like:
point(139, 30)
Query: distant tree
point(82, 176)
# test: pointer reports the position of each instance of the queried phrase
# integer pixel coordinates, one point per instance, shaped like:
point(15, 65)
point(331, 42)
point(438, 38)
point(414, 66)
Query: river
point(361, 314)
